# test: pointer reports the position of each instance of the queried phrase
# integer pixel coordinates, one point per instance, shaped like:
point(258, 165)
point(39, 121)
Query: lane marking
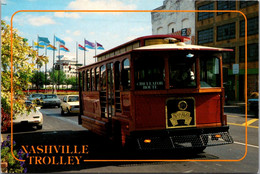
point(235, 124)
point(250, 122)
point(233, 116)
point(250, 145)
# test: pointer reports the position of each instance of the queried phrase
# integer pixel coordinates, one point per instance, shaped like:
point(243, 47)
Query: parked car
point(49, 100)
point(35, 98)
point(70, 104)
point(34, 118)
point(253, 106)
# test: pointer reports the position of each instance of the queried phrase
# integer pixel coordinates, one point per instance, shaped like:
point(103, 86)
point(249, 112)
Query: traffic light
point(57, 67)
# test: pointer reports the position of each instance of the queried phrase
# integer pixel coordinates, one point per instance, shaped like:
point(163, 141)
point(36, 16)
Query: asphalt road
point(62, 131)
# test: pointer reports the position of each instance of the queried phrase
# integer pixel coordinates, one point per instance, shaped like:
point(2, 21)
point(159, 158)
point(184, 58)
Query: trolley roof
point(179, 46)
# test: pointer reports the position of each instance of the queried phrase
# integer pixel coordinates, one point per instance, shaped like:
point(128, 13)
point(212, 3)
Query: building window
point(244, 4)
point(205, 36)
point(227, 31)
point(252, 26)
point(226, 5)
point(252, 53)
point(205, 15)
point(160, 30)
point(229, 56)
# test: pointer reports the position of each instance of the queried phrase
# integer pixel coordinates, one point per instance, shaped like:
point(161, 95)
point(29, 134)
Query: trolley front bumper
point(182, 138)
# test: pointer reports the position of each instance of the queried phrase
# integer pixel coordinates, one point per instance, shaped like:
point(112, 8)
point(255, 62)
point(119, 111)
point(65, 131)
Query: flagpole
point(84, 52)
point(37, 75)
point(45, 69)
point(59, 69)
point(95, 51)
point(53, 64)
point(76, 64)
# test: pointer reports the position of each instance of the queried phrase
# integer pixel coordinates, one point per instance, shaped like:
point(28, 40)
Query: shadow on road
point(41, 160)
point(237, 110)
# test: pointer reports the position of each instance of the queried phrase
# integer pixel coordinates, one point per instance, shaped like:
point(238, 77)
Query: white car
point(49, 100)
point(70, 104)
point(34, 118)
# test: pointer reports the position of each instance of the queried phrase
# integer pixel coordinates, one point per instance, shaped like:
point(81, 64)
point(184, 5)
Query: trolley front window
point(209, 72)
point(149, 73)
point(182, 71)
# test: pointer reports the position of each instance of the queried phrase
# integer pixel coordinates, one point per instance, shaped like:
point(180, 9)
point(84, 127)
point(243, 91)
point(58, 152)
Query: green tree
point(71, 81)
point(57, 77)
point(24, 61)
point(38, 78)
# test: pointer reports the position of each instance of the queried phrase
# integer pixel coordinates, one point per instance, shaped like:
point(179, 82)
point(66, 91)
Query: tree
point(24, 61)
point(38, 78)
point(71, 81)
point(58, 77)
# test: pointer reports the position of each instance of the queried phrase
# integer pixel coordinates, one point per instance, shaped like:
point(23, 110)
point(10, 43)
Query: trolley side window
point(182, 71)
point(103, 81)
point(83, 81)
point(149, 74)
point(92, 79)
point(125, 76)
point(97, 78)
point(209, 72)
point(88, 80)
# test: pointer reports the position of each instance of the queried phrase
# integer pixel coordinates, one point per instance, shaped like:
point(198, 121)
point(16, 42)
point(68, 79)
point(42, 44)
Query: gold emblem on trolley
point(182, 105)
point(184, 114)
point(181, 115)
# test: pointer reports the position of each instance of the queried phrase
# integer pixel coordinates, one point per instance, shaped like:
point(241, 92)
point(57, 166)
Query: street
point(64, 131)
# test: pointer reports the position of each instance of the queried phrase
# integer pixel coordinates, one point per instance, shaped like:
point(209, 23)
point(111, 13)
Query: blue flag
point(89, 45)
point(99, 46)
point(44, 40)
point(62, 42)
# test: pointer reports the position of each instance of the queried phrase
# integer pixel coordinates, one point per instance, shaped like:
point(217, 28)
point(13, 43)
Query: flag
point(51, 47)
point(62, 42)
point(60, 56)
point(81, 47)
point(43, 43)
point(89, 45)
point(99, 46)
point(36, 45)
point(63, 48)
point(43, 40)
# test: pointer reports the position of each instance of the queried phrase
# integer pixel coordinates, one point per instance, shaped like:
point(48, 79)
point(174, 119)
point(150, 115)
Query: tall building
point(68, 66)
point(227, 30)
point(176, 23)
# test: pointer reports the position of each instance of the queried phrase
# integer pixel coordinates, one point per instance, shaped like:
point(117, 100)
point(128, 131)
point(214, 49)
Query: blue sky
point(108, 29)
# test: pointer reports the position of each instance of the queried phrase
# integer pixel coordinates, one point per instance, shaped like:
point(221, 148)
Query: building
point(176, 23)
point(68, 66)
point(227, 30)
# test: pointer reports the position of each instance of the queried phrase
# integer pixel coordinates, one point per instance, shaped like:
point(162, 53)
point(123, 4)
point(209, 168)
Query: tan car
point(70, 104)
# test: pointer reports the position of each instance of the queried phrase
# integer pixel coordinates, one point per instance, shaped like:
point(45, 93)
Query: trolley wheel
point(117, 137)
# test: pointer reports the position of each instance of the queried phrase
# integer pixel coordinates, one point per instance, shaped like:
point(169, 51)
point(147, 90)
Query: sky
point(108, 29)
